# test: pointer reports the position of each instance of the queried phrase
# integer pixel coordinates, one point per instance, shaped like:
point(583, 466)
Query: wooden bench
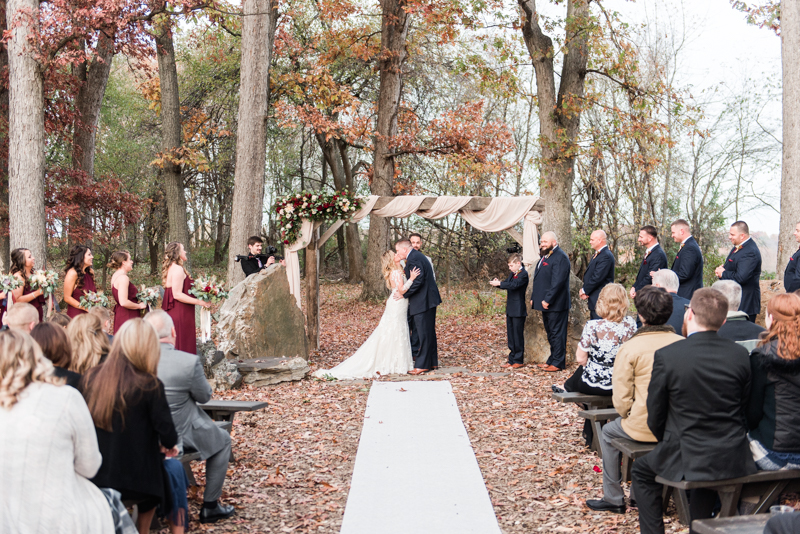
point(591, 401)
point(745, 524)
point(631, 450)
point(598, 417)
point(225, 410)
point(766, 486)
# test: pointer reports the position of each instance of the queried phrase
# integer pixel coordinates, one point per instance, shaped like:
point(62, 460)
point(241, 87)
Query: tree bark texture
point(5, 264)
point(559, 112)
point(312, 292)
point(26, 134)
point(394, 30)
point(171, 136)
point(258, 35)
point(790, 168)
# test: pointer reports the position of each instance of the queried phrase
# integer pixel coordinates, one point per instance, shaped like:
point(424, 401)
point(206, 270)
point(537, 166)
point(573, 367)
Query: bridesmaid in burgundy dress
point(22, 263)
point(79, 278)
point(128, 306)
point(178, 303)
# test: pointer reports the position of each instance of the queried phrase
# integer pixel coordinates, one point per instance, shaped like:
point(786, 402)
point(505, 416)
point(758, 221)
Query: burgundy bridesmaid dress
point(183, 316)
point(39, 302)
point(121, 313)
point(88, 285)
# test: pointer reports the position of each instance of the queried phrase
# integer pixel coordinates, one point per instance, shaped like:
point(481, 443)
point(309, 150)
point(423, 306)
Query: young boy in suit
point(515, 285)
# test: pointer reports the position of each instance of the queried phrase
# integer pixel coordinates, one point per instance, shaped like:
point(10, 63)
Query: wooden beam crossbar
point(476, 204)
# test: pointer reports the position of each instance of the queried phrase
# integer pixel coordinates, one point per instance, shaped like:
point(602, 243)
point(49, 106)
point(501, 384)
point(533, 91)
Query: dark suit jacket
point(791, 276)
point(739, 329)
point(551, 282)
point(688, 265)
point(250, 265)
point(599, 274)
point(516, 286)
point(678, 310)
point(423, 293)
point(656, 260)
point(696, 403)
point(744, 268)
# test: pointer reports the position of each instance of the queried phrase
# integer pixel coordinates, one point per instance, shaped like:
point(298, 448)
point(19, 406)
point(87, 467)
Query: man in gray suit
point(186, 385)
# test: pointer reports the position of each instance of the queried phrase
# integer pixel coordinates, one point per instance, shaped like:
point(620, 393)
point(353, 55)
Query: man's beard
point(544, 251)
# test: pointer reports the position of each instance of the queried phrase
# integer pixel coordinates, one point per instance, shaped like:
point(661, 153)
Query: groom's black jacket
point(423, 293)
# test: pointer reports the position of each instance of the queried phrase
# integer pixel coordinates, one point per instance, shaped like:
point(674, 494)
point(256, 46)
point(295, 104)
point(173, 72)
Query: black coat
point(688, 265)
point(696, 402)
point(423, 293)
point(250, 265)
point(73, 378)
point(678, 310)
point(740, 329)
point(654, 261)
point(744, 268)
point(131, 455)
point(599, 274)
point(551, 282)
point(791, 276)
point(773, 413)
point(516, 285)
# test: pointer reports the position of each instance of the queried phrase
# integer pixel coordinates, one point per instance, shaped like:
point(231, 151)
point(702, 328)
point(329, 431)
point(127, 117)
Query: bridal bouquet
point(207, 290)
point(47, 282)
point(148, 295)
point(92, 300)
point(8, 283)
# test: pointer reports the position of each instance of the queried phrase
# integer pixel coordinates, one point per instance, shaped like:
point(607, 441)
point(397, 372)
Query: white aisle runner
point(415, 471)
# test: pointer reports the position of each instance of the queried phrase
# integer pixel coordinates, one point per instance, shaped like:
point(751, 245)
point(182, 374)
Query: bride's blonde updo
point(388, 265)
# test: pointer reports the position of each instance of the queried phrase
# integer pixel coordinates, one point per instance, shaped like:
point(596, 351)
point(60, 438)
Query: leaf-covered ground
point(294, 460)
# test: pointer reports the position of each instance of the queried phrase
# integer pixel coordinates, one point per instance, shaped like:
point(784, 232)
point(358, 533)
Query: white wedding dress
point(388, 349)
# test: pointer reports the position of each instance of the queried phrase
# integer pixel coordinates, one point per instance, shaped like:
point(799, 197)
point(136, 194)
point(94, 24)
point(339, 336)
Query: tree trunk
point(394, 29)
point(171, 136)
point(353, 241)
point(258, 34)
point(559, 113)
point(5, 263)
point(26, 133)
point(790, 169)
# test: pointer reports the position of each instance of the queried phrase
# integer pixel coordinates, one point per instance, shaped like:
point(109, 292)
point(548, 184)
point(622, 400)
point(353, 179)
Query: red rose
point(207, 289)
point(285, 242)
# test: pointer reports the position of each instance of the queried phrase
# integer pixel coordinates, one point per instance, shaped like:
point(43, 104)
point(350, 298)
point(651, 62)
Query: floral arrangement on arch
point(314, 206)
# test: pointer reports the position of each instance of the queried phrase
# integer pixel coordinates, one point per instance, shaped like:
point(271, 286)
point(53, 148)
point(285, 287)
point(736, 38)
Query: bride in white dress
point(388, 349)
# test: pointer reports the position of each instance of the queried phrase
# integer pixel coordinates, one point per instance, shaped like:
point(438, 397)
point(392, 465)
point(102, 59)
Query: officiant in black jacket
point(743, 266)
point(423, 298)
point(516, 285)
point(551, 296)
point(654, 258)
point(600, 271)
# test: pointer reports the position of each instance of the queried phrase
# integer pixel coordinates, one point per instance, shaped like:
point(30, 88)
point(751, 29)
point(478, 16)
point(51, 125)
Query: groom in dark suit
point(423, 298)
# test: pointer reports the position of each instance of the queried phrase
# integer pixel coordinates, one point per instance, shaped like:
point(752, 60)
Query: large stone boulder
point(537, 349)
point(769, 288)
point(268, 371)
point(260, 319)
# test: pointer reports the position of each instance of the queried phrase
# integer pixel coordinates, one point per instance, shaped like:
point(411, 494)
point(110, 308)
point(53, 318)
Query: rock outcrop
point(268, 371)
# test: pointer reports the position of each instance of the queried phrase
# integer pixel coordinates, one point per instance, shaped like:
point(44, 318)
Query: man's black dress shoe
point(220, 511)
point(558, 389)
point(603, 506)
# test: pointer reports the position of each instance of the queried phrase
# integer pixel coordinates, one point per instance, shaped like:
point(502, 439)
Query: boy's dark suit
point(551, 284)
point(743, 266)
point(423, 298)
point(516, 285)
point(696, 402)
point(654, 261)
point(688, 265)
point(599, 274)
point(791, 276)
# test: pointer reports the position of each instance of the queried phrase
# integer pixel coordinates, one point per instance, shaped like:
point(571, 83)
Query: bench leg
point(682, 506)
point(597, 427)
point(729, 497)
point(769, 498)
point(188, 469)
point(626, 468)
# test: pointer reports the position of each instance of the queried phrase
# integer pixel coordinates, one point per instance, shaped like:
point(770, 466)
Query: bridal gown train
point(388, 349)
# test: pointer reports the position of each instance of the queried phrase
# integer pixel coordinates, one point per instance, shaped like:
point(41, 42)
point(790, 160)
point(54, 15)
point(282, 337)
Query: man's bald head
point(547, 242)
point(22, 316)
point(598, 239)
point(550, 236)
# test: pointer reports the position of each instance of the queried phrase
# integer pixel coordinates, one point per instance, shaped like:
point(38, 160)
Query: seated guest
point(55, 346)
point(186, 385)
point(783, 524)
point(49, 448)
point(668, 280)
point(61, 319)
point(104, 315)
point(696, 410)
point(22, 317)
point(737, 326)
point(773, 413)
point(89, 342)
point(132, 420)
point(632, 368)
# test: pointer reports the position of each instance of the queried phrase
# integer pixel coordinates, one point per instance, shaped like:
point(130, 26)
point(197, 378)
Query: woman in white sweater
point(48, 448)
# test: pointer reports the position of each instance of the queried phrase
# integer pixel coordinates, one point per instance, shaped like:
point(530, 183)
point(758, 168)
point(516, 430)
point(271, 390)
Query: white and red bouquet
point(92, 300)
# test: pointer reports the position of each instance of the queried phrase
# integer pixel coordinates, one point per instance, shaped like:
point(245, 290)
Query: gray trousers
point(783, 524)
point(216, 470)
point(612, 472)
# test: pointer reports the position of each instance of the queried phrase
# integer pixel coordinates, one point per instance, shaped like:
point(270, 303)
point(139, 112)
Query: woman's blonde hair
point(387, 266)
point(172, 254)
point(21, 362)
point(612, 304)
point(88, 342)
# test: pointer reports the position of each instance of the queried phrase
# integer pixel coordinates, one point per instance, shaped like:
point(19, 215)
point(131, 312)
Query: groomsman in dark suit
point(743, 266)
point(550, 296)
point(654, 258)
point(600, 271)
point(516, 311)
point(791, 276)
point(688, 262)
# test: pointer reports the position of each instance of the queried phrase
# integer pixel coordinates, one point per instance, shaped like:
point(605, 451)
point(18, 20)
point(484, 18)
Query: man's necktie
point(681, 247)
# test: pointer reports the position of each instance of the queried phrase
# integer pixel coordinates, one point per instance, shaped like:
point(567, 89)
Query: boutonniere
point(730, 259)
point(545, 263)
